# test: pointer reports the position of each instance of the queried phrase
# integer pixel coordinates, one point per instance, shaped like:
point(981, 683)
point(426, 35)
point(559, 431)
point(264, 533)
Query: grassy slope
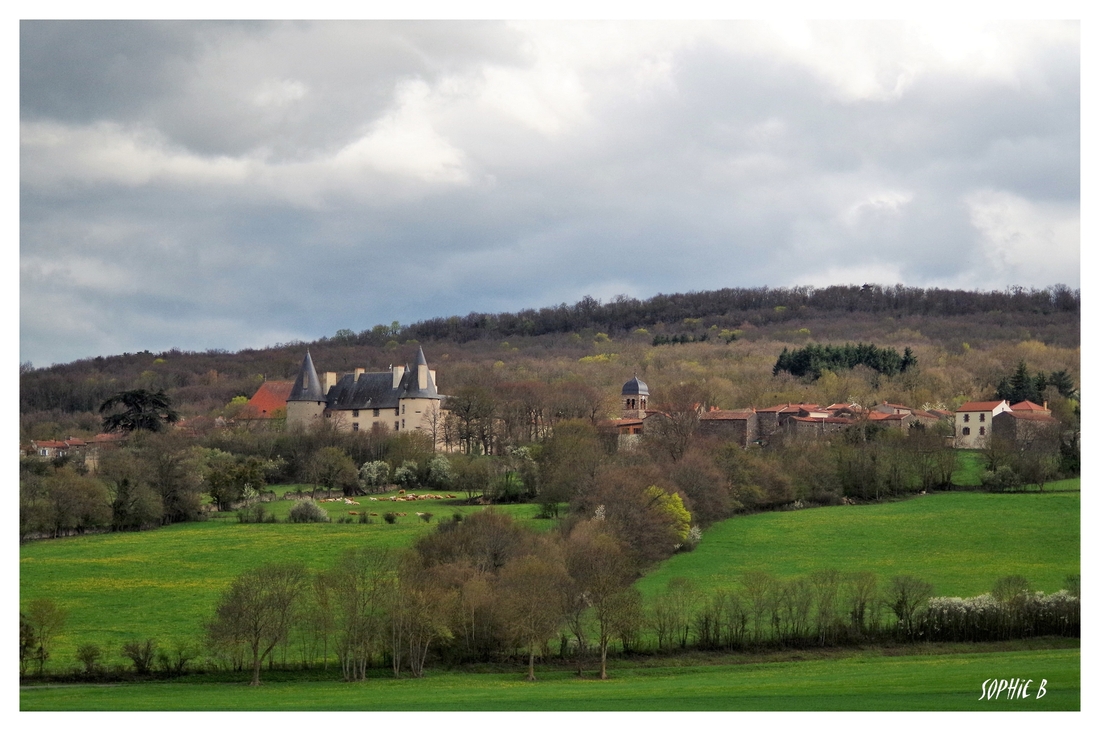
point(164, 583)
point(960, 542)
point(861, 682)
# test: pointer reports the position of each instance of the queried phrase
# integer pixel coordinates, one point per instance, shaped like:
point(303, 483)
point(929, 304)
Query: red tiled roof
point(880, 416)
point(620, 422)
point(1030, 416)
point(722, 415)
point(1028, 406)
point(50, 443)
point(787, 408)
point(271, 395)
point(980, 405)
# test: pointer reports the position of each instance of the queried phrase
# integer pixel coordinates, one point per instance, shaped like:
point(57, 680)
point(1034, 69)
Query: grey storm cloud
point(227, 185)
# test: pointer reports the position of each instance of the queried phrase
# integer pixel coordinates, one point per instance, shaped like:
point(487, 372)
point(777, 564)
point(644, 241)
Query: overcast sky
point(230, 185)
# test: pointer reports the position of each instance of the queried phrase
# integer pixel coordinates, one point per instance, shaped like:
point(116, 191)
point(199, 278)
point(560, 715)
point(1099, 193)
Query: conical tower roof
point(307, 386)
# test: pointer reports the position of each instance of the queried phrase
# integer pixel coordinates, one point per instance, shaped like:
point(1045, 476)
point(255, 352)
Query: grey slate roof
point(307, 386)
point(634, 387)
point(376, 391)
point(369, 391)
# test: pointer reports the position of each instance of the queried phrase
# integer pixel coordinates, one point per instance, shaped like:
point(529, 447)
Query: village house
point(739, 427)
point(401, 399)
point(1027, 425)
point(974, 422)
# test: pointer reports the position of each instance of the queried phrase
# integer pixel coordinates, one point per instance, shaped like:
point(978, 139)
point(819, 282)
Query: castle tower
point(306, 401)
point(635, 398)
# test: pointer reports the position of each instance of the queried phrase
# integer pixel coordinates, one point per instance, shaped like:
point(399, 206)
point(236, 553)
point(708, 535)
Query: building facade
point(401, 399)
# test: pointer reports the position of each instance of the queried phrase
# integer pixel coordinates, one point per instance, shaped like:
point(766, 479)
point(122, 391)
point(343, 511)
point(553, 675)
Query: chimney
point(398, 371)
point(328, 380)
point(359, 372)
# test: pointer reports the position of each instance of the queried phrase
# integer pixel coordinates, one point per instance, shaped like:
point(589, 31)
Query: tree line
point(68, 395)
point(484, 588)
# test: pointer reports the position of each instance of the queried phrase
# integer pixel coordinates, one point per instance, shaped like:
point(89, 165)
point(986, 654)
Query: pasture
point(960, 542)
point(164, 583)
point(853, 681)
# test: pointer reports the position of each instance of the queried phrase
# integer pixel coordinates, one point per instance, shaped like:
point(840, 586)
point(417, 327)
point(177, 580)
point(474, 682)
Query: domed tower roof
point(634, 387)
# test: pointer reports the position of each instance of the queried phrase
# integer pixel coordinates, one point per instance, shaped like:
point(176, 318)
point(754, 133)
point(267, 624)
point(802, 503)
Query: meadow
point(844, 681)
point(164, 583)
point(960, 542)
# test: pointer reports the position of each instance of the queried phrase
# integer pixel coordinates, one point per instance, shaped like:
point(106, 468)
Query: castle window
point(396, 411)
point(328, 415)
point(376, 413)
point(981, 430)
point(355, 413)
point(981, 417)
point(355, 426)
point(395, 425)
point(402, 423)
point(966, 417)
point(402, 408)
point(966, 431)
point(643, 404)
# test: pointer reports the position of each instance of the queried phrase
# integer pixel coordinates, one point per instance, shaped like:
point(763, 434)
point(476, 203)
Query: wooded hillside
point(965, 342)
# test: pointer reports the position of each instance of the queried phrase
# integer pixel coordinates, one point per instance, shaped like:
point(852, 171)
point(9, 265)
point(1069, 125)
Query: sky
point(239, 184)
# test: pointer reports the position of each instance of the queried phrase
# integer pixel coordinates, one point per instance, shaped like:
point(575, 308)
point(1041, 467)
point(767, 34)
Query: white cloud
point(882, 203)
point(1024, 241)
point(404, 142)
point(54, 154)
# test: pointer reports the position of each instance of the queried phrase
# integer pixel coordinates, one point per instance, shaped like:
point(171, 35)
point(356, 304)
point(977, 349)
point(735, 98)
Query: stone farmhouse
point(402, 399)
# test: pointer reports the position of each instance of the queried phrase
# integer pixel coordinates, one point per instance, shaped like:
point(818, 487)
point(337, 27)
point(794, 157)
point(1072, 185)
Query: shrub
point(141, 654)
point(176, 661)
point(1003, 480)
point(364, 518)
point(88, 655)
point(426, 517)
point(1072, 585)
point(254, 514)
point(307, 511)
point(390, 518)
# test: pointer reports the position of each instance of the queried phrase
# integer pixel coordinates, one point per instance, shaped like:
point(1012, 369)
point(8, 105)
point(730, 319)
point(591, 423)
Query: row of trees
point(474, 589)
point(734, 306)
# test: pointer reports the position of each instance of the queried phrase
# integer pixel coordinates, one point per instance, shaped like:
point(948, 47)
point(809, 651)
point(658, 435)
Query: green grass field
point(960, 542)
point(164, 583)
point(971, 466)
point(859, 681)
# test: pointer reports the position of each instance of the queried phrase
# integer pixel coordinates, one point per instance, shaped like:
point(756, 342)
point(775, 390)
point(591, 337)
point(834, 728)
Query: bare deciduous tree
point(258, 610)
point(530, 590)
